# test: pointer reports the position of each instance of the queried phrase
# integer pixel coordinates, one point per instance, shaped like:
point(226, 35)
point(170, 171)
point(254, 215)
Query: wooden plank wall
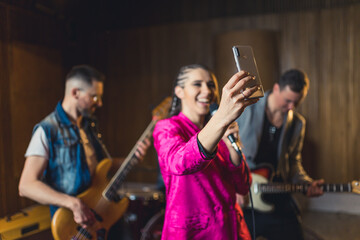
point(141, 64)
point(31, 79)
point(5, 122)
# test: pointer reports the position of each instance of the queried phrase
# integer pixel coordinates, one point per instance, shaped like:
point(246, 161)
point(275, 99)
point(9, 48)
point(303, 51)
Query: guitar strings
point(79, 234)
point(83, 233)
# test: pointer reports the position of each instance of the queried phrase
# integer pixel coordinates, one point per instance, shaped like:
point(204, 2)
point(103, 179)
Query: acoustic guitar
point(261, 186)
point(102, 196)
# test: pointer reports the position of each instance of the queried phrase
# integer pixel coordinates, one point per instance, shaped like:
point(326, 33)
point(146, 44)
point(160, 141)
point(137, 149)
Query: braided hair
point(180, 81)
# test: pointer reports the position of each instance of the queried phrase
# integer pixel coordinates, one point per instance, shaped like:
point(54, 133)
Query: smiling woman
point(196, 87)
point(201, 170)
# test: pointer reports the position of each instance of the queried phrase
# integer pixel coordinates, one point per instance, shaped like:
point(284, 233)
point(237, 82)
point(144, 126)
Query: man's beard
point(87, 113)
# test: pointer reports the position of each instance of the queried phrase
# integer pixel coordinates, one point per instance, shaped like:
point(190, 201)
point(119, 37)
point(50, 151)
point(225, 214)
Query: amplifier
point(26, 222)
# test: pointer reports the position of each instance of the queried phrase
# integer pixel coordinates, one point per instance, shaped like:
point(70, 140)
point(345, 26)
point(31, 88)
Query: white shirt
point(38, 145)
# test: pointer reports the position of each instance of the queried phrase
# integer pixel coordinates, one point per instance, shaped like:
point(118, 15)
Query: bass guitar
point(261, 186)
point(102, 196)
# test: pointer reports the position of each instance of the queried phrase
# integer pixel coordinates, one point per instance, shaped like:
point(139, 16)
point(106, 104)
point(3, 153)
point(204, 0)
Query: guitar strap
point(289, 129)
point(89, 151)
point(105, 150)
point(289, 133)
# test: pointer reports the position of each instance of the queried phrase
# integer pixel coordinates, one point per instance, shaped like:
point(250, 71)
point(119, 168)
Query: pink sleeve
point(178, 153)
point(237, 174)
point(241, 178)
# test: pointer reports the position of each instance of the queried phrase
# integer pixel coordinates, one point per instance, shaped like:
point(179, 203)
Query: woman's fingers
point(240, 85)
point(235, 79)
point(236, 86)
point(249, 102)
point(235, 96)
point(232, 129)
point(249, 91)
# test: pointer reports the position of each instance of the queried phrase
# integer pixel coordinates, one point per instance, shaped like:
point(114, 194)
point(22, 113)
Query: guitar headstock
point(162, 110)
point(355, 187)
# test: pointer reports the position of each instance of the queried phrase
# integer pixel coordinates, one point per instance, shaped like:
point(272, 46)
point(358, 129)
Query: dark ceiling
point(120, 14)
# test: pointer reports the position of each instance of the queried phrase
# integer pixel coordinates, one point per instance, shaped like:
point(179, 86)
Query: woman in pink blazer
point(201, 170)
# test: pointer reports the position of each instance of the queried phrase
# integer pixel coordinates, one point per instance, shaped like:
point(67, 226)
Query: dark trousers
point(283, 223)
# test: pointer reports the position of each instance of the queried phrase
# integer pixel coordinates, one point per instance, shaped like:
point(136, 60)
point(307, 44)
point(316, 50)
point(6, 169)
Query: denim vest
point(67, 170)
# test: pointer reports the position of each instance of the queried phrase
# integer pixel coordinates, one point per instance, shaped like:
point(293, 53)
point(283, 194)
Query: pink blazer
point(200, 193)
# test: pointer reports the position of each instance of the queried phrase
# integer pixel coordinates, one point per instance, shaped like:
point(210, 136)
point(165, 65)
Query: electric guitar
point(261, 185)
point(102, 196)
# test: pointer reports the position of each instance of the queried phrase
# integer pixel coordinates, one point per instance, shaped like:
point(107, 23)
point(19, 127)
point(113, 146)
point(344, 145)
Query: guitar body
point(260, 175)
point(63, 226)
point(259, 203)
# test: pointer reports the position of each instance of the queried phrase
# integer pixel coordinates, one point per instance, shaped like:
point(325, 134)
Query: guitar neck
point(290, 188)
point(130, 161)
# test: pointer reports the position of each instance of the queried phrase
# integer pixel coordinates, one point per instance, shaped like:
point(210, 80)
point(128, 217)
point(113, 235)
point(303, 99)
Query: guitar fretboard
point(130, 161)
point(289, 188)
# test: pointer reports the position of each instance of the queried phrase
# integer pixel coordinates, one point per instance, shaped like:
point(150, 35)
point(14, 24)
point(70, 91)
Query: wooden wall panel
point(31, 83)
point(354, 89)
point(36, 87)
point(5, 116)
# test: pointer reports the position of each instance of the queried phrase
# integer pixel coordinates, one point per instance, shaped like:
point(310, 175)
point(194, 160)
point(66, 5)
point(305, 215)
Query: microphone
point(213, 108)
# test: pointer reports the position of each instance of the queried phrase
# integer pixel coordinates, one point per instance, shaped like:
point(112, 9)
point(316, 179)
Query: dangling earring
point(174, 103)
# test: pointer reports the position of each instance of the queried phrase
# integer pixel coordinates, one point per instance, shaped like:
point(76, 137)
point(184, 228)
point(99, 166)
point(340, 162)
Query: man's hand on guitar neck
point(315, 189)
point(142, 148)
point(140, 154)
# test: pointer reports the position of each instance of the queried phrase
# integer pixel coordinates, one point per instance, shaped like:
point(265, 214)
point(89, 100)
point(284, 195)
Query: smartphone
point(245, 60)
